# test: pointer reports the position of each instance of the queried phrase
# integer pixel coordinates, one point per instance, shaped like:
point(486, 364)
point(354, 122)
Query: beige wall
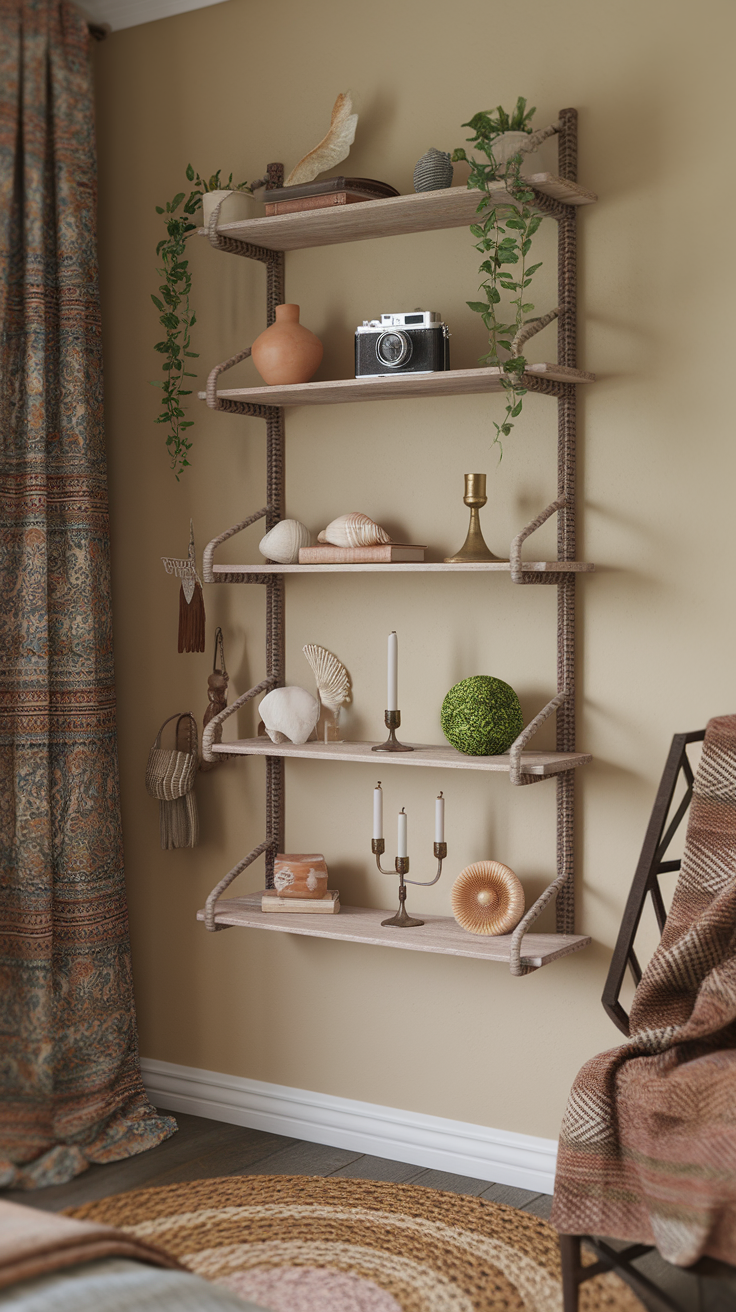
point(250, 81)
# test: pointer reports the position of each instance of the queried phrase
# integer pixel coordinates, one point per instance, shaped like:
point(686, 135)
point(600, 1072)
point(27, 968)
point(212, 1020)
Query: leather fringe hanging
point(191, 598)
point(170, 778)
point(217, 683)
point(191, 605)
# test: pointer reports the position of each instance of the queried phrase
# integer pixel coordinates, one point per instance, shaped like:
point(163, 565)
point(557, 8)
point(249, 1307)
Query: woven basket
point(170, 778)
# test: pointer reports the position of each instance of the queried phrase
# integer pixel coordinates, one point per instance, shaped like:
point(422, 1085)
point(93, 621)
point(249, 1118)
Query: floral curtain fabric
point(70, 1085)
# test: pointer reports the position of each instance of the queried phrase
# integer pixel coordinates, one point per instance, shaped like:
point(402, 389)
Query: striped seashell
point(332, 679)
point(283, 541)
point(433, 171)
point(487, 898)
point(353, 530)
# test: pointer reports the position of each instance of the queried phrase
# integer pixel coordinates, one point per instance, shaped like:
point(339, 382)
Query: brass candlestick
point(402, 919)
point(392, 720)
point(474, 547)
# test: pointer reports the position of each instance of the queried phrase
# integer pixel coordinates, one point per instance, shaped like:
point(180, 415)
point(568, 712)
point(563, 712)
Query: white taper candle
point(402, 847)
point(378, 811)
point(439, 819)
point(392, 700)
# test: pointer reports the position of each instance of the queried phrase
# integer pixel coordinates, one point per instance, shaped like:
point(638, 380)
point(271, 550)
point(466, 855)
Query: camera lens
point(393, 349)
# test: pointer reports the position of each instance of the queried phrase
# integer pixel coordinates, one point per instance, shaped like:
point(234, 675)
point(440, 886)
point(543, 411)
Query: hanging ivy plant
point(176, 315)
point(504, 236)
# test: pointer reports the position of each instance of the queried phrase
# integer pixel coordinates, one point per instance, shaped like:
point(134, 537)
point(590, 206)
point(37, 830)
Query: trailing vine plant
point(176, 315)
point(504, 236)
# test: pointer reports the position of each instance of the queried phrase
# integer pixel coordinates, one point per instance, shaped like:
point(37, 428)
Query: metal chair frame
point(652, 863)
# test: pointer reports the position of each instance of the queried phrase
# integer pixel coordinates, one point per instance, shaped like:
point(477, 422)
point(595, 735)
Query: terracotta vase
point(300, 874)
point(286, 352)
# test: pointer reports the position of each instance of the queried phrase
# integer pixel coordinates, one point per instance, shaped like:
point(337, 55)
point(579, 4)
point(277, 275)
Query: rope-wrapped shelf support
point(517, 565)
point(210, 906)
point(516, 775)
point(210, 549)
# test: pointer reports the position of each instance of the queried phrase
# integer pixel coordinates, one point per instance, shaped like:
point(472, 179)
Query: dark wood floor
point(202, 1149)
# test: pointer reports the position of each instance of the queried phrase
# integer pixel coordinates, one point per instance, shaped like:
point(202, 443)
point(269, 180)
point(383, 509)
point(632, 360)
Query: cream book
point(329, 905)
point(382, 554)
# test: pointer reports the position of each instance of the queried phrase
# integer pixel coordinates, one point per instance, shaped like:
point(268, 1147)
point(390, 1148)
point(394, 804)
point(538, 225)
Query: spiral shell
point(433, 171)
point(353, 530)
point(283, 541)
point(332, 679)
point(487, 898)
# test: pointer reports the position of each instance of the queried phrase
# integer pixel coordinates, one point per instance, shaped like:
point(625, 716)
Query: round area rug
point(308, 1244)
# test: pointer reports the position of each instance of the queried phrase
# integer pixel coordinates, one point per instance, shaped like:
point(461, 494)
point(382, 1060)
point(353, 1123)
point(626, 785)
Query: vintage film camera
point(415, 342)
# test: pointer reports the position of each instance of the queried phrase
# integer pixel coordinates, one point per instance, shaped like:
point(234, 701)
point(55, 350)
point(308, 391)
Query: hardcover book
point(329, 905)
point(327, 201)
point(382, 554)
point(371, 186)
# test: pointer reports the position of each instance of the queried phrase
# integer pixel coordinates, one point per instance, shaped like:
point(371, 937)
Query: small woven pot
point(487, 898)
point(433, 171)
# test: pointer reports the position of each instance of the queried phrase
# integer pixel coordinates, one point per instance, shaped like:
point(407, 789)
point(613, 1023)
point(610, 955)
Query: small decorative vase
point(433, 171)
point(236, 206)
point(300, 874)
point(507, 145)
point(287, 352)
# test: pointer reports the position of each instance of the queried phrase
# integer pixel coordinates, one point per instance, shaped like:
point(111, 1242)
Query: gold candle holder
point(402, 918)
point(474, 548)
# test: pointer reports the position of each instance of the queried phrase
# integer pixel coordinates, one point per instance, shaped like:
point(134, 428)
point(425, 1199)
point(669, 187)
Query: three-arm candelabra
point(378, 846)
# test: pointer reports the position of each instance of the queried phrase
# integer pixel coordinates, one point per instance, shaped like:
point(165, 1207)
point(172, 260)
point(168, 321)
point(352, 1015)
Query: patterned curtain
point(70, 1084)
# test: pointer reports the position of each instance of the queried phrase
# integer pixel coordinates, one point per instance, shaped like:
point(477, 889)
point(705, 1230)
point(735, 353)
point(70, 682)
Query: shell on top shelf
point(487, 898)
point(331, 677)
point(283, 541)
point(433, 171)
point(354, 530)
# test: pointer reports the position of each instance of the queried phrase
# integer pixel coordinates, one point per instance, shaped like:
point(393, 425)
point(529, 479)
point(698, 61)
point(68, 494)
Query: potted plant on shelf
point(504, 233)
point(173, 303)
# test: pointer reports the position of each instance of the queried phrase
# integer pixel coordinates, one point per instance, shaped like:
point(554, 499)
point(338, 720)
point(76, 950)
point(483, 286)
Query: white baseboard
point(433, 1142)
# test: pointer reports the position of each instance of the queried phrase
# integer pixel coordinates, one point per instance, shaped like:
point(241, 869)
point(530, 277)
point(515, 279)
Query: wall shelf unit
point(266, 240)
point(363, 925)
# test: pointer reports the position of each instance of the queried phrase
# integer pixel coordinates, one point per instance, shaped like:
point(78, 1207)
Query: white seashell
point(354, 530)
point(283, 541)
point(289, 713)
point(332, 679)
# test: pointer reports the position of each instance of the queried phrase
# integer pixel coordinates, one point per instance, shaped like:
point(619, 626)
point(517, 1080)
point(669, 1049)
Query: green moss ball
point(481, 716)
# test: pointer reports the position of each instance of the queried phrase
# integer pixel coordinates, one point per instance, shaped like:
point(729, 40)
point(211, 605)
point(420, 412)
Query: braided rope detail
point(517, 569)
point(209, 733)
point(275, 623)
point(531, 328)
point(547, 386)
point(209, 551)
point(210, 906)
point(518, 745)
point(515, 964)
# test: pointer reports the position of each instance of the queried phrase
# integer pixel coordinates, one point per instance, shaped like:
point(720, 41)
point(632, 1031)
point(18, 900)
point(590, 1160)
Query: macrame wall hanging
point(191, 598)
point(170, 778)
point(217, 683)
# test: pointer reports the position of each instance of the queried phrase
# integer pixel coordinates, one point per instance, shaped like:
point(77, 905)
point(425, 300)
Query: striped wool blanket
point(648, 1143)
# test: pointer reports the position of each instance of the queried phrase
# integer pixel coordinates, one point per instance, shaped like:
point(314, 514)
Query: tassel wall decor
point(191, 598)
point(217, 683)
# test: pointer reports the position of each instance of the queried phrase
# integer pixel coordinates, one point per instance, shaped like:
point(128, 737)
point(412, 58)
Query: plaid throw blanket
point(648, 1142)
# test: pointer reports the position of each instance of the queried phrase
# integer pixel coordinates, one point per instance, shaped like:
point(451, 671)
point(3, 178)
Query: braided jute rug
point(309, 1244)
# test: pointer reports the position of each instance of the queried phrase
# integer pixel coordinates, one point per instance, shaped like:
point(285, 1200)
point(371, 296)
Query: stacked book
point(325, 195)
point(329, 905)
point(383, 553)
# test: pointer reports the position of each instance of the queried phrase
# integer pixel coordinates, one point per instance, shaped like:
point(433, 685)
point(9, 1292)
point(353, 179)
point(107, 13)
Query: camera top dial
point(394, 349)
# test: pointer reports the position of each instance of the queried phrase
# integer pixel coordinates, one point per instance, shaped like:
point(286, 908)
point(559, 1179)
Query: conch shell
point(283, 541)
point(353, 530)
point(331, 677)
point(289, 713)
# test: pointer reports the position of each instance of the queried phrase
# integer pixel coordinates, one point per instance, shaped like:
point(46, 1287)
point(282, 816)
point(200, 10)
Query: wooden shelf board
point(363, 925)
point(442, 756)
point(426, 567)
point(392, 216)
point(450, 382)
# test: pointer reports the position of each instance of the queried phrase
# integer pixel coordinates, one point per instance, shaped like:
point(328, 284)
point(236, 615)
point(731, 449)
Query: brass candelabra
point(402, 918)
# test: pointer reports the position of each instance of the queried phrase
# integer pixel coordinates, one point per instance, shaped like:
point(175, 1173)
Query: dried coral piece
point(354, 530)
point(331, 677)
point(333, 148)
point(487, 898)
